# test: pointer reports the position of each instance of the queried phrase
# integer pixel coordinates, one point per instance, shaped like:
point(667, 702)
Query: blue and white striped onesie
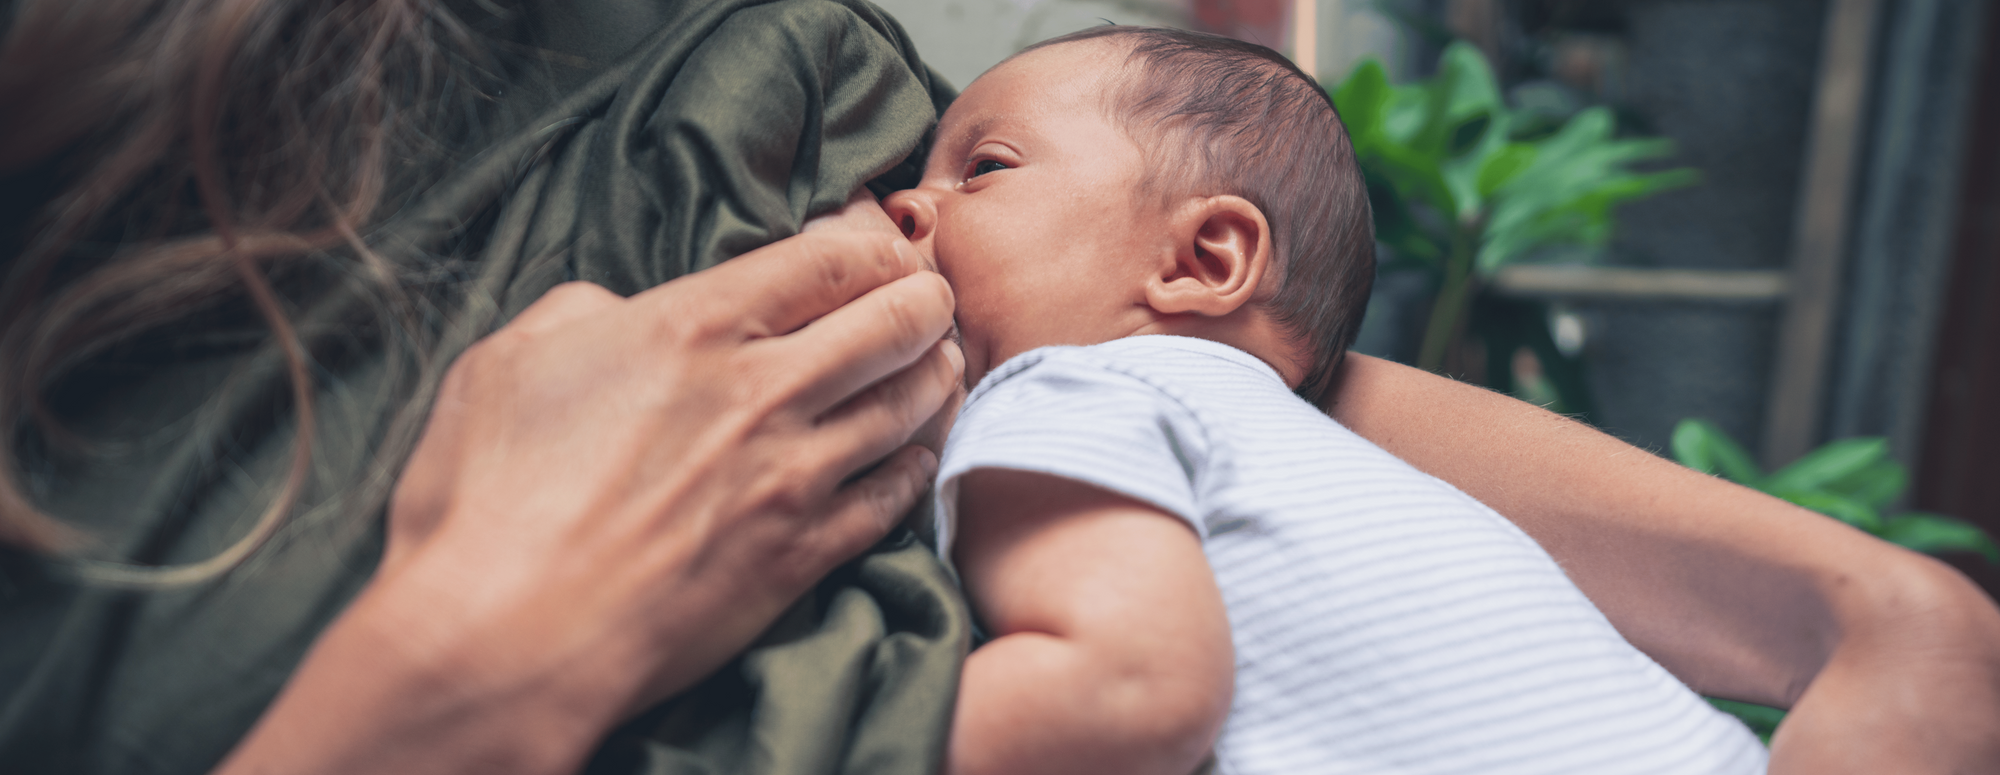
point(1383, 621)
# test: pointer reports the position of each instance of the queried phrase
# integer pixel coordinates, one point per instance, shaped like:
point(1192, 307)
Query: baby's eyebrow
point(979, 126)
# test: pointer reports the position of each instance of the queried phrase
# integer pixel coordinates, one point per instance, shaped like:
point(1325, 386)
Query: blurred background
point(1779, 255)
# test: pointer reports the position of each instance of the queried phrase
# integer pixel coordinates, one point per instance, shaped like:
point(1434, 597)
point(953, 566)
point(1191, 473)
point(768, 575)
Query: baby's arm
point(1111, 651)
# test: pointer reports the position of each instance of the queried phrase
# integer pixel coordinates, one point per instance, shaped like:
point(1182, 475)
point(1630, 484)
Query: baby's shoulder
point(1173, 366)
point(1208, 393)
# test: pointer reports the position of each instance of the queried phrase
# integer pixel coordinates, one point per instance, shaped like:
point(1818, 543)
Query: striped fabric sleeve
point(1065, 415)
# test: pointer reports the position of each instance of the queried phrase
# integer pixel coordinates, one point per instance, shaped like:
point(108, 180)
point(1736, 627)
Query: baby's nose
point(914, 213)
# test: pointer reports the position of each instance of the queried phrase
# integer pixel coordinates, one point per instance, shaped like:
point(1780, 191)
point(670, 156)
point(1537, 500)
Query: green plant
point(1851, 480)
point(1462, 184)
point(1762, 720)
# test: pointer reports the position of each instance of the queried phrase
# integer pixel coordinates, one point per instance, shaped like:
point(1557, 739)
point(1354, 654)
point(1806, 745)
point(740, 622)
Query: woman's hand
point(613, 496)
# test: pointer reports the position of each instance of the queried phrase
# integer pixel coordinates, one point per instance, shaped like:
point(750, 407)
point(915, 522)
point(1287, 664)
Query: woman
point(246, 238)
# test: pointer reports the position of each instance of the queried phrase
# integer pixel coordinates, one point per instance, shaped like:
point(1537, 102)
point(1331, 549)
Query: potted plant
point(1462, 185)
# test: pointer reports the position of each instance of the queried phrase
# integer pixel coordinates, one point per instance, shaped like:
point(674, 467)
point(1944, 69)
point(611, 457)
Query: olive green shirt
point(660, 138)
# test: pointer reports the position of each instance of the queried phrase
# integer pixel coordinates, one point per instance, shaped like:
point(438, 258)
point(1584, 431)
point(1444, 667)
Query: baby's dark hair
point(1222, 116)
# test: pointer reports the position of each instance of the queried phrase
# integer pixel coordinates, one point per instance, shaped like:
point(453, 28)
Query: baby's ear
point(1222, 250)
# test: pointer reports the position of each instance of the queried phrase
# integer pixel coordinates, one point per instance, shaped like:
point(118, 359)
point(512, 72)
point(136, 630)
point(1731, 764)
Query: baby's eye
point(984, 166)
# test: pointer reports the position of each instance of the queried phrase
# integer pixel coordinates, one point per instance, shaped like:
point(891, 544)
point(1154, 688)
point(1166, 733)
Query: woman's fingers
point(878, 334)
point(884, 416)
point(774, 290)
point(864, 510)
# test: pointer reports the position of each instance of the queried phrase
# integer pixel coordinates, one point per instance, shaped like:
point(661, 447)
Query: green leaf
point(1690, 445)
point(1469, 89)
point(1877, 485)
point(1413, 175)
point(1467, 137)
point(1700, 445)
point(1444, 161)
point(1407, 112)
point(1386, 142)
point(1763, 721)
point(1362, 100)
point(1830, 463)
point(1426, 117)
point(1931, 534)
point(1394, 225)
point(1566, 194)
point(1840, 507)
point(1464, 122)
point(1396, 173)
point(1503, 166)
point(1461, 173)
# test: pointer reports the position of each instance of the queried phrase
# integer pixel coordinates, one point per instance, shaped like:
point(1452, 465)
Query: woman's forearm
point(1739, 594)
point(388, 690)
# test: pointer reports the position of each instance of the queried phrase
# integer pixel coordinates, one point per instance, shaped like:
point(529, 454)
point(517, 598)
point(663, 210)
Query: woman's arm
point(1890, 660)
point(614, 495)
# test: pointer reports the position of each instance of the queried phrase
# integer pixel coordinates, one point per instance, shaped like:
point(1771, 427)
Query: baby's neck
point(1251, 330)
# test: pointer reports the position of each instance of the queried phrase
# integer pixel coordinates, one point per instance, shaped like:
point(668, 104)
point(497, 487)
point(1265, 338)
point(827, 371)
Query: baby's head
point(1129, 180)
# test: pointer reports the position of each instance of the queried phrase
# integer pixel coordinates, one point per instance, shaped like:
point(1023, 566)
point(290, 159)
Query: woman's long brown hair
point(186, 150)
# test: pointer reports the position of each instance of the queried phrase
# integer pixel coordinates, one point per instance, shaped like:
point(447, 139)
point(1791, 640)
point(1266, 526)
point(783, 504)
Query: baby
point(1157, 237)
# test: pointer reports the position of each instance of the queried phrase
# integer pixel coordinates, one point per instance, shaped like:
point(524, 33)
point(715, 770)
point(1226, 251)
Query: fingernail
point(927, 461)
point(955, 355)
